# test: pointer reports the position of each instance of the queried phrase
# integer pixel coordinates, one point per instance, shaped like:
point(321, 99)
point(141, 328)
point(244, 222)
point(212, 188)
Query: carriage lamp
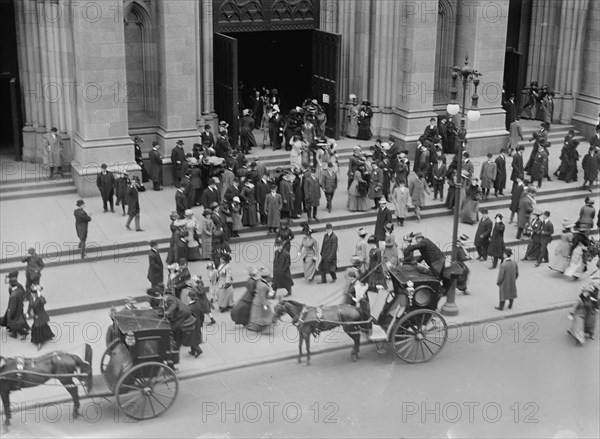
point(130, 339)
point(410, 290)
point(468, 75)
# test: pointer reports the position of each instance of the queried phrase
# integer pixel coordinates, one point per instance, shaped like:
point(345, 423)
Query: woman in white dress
point(225, 284)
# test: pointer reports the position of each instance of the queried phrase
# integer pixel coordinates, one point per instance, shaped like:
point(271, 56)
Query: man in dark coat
point(14, 319)
point(82, 218)
point(517, 166)
point(106, 185)
point(430, 253)
point(222, 147)
point(132, 198)
point(497, 246)
point(207, 138)
point(287, 196)
point(500, 180)
point(590, 165)
point(384, 216)
point(526, 206)
point(546, 232)
point(511, 111)
point(482, 236)
point(197, 310)
point(155, 167)
point(329, 251)
point(285, 235)
point(182, 276)
point(177, 160)
point(177, 312)
point(33, 272)
point(155, 265)
point(262, 190)
point(507, 280)
point(515, 198)
point(312, 194)
point(329, 182)
point(282, 276)
point(180, 202)
point(211, 194)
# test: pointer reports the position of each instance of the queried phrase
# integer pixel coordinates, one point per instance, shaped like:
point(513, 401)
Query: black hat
point(14, 273)
point(508, 252)
point(328, 226)
point(153, 243)
point(54, 130)
point(485, 211)
point(104, 166)
point(180, 142)
point(499, 215)
point(80, 203)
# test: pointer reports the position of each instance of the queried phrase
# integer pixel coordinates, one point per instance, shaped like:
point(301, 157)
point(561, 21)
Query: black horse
point(19, 373)
point(312, 320)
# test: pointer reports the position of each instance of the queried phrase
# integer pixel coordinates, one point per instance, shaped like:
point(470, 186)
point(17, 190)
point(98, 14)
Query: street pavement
point(80, 294)
point(521, 377)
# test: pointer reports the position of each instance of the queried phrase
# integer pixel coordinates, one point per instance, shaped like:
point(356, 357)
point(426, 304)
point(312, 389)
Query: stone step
point(41, 184)
point(36, 192)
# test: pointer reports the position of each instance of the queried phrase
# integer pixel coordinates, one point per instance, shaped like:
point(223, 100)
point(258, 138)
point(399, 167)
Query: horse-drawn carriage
point(405, 317)
point(138, 364)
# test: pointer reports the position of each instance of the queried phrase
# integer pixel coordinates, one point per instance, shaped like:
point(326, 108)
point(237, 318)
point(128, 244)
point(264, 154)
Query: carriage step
point(377, 334)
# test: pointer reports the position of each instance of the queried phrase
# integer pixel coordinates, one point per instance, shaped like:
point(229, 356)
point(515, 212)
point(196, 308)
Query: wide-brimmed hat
point(214, 205)
point(389, 226)
point(385, 146)
point(173, 215)
point(382, 200)
point(536, 212)
point(306, 229)
point(191, 282)
point(567, 224)
point(80, 203)
point(188, 212)
point(362, 232)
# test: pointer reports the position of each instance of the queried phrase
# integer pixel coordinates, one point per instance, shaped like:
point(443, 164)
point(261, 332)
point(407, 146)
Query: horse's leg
point(300, 339)
point(5, 394)
point(307, 342)
point(355, 348)
point(72, 389)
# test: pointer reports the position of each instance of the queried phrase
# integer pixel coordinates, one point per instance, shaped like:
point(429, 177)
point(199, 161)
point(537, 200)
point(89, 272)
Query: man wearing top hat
point(82, 218)
point(14, 318)
point(177, 159)
point(105, 181)
point(33, 272)
point(155, 265)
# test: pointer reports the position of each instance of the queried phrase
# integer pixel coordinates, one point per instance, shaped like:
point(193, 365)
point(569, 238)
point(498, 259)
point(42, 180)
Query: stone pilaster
point(101, 119)
point(177, 70)
point(587, 105)
point(481, 33)
point(206, 100)
point(413, 72)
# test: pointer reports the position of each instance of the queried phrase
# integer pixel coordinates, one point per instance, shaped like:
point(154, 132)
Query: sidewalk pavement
point(85, 285)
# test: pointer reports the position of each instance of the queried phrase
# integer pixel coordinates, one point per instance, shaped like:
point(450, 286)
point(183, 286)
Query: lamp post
point(468, 74)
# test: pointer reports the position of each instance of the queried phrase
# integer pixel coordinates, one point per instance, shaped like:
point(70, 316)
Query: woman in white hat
point(309, 249)
point(192, 226)
point(261, 312)
point(562, 252)
point(236, 216)
point(353, 108)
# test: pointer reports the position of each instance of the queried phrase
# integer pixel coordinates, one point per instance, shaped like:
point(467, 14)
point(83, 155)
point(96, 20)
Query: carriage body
point(407, 318)
point(140, 356)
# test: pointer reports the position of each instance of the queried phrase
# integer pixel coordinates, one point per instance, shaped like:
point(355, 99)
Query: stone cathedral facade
point(103, 71)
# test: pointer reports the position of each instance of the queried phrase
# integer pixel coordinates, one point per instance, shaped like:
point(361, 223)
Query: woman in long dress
point(577, 265)
point(249, 209)
point(390, 251)
point(353, 108)
point(583, 314)
point(534, 228)
point(171, 253)
point(470, 205)
point(562, 252)
point(261, 313)
point(364, 121)
point(297, 145)
point(357, 193)
point(236, 216)
point(207, 226)
point(309, 249)
point(225, 284)
point(376, 275)
point(401, 200)
point(240, 314)
point(193, 233)
point(40, 330)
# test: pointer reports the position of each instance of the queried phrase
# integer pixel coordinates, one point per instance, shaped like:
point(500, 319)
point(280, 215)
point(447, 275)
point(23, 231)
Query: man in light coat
point(52, 151)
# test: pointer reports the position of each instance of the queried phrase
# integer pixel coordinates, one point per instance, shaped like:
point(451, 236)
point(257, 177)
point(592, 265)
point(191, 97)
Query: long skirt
point(240, 314)
point(533, 251)
point(249, 215)
point(259, 318)
point(225, 298)
point(206, 247)
point(561, 259)
point(577, 264)
point(41, 333)
point(310, 268)
point(358, 203)
point(449, 203)
point(468, 213)
point(194, 253)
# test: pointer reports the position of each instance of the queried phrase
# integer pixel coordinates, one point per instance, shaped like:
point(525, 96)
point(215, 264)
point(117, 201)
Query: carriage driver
point(430, 253)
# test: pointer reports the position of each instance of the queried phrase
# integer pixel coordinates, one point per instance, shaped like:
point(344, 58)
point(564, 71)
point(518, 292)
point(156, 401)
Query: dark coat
point(590, 164)
point(312, 191)
point(40, 315)
point(132, 199)
point(14, 318)
point(511, 113)
point(240, 314)
point(154, 165)
point(177, 161)
point(155, 267)
point(262, 190)
point(500, 181)
point(384, 216)
point(106, 183)
point(207, 138)
point(525, 209)
point(496, 248)
point(210, 195)
point(484, 231)
point(222, 148)
point(329, 251)
point(176, 311)
point(282, 277)
point(517, 167)
point(546, 232)
point(195, 308)
point(35, 264)
point(515, 197)
point(287, 195)
point(430, 253)
point(507, 280)
point(81, 223)
point(181, 203)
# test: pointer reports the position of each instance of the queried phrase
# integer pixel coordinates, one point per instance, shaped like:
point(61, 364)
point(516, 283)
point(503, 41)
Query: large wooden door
point(226, 83)
point(326, 63)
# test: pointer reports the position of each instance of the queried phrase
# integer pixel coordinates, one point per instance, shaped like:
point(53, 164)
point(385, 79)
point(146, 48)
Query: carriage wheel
point(147, 390)
point(419, 336)
point(105, 360)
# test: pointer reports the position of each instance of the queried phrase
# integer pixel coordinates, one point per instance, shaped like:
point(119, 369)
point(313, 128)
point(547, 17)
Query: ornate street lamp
point(468, 75)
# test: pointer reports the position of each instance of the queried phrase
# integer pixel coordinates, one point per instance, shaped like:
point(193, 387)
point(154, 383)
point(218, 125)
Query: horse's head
point(279, 310)
point(291, 307)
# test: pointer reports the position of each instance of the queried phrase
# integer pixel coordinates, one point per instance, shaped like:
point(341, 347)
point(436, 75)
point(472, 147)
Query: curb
point(283, 357)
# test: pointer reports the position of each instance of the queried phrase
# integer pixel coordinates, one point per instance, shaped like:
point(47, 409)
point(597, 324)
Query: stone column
point(414, 67)
point(177, 70)
point(587, 104)
point(101, 120)
point(481, 33)
point(543, 46)
point(568, 65)
point(207, 86)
